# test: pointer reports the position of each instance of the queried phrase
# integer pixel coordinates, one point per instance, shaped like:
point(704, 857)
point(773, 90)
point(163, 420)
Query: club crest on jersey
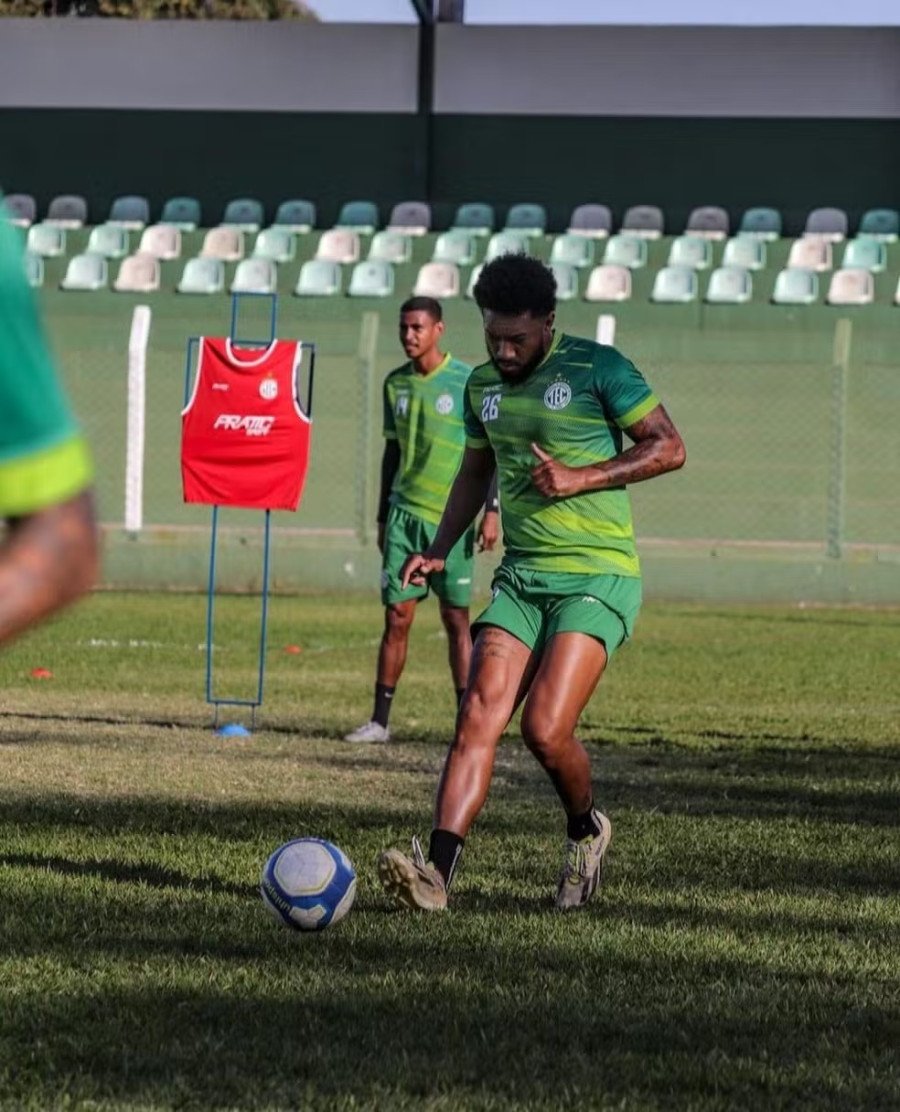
point(557, 395)
point(251, 426)
point(268, 389)
point(444, 404)
point(401, 405)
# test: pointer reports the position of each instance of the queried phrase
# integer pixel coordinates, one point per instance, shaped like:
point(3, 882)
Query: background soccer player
point(48, 555)
point(424, 443)
point(548, 410)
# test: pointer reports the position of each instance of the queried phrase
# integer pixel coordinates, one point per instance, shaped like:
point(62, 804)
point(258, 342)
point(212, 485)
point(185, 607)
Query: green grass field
point(742, 952)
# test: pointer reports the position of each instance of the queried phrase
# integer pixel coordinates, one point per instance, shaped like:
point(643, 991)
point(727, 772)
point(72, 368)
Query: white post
point(137, 400)
point(606, 329)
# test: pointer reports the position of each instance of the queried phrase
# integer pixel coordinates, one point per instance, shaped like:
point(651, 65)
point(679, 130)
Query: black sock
point(582, 826)
point(443, 852)
point(383, 697)
point(460, 691)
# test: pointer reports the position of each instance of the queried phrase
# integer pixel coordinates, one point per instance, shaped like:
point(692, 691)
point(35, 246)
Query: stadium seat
point(506, 243)
point(762, 222)
point(358, 216)
point(225, 242)
point(34, 270)
point(609, 282)
point(46, 240)
point(810, 253)
point(244, 213)
point(851, 287)
point(594, 221)
point(708, 221)
point(476, 217)
point(202, 275)
point(338, 245)
point(390, 246)
point(897, 294)
point(163, 241)
point(864, 253)
point(566, 277)
point(729, 285)
point(296, 216)
point(412, 218)
point(626, 250)
point(138, 274)
point(795, 286)
point(747, 251)
point(881, 224)
point(692, 251)
point(573, 250)
point(109, 240)
point(319, 278)
point(372, 278)
point(457, 246)
point(438, 280)
point(21, 208)
point(675, 285)
point(476, 274)
point(67, 211)
point(277, 244)
point(255, 275)
point(829, 223)
point(643, 220)
point(528, 219)
point(131, 212)
point(182, 213)
point(86, 272)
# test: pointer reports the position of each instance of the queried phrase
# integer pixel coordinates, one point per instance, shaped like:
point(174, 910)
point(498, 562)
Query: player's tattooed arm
point(47, 560)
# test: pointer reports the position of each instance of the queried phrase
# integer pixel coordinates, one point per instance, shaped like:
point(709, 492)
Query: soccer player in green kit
point(550, 411)
point(424, 443)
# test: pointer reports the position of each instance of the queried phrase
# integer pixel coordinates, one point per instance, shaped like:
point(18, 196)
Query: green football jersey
point(424, 413)
point(574, 405)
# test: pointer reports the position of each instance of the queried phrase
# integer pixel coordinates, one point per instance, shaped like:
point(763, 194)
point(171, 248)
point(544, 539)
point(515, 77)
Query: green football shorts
point(406, 534)
point(534, 605)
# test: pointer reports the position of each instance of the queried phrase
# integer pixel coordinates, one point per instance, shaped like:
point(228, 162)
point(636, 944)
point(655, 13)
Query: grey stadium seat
point(296, 215)
point(182, 213)
point(360, 216)
point(830, 223)
point(709, 221)
point(591, 220)
point(643, 220)
point(21, 209)
point(477, 216)
point(245, 213)
point(411, 217)
point(527, 218)
point(130, 211)
point(68, 211)
point(763, 222)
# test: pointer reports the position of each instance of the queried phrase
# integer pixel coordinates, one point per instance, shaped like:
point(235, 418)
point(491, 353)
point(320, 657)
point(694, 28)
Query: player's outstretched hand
point(553, 478)
point(488, 531)
point(417, 568)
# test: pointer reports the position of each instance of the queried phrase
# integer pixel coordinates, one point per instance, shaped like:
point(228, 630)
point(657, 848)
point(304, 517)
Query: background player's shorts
point(405, 534)
point(533, 606)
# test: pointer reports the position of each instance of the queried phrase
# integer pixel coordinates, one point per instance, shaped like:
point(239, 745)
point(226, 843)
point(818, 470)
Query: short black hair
point(514, 284)
point(423, 305)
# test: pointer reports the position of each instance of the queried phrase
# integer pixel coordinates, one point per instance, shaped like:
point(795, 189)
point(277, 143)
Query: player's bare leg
point(398, 619)
point(459, 638)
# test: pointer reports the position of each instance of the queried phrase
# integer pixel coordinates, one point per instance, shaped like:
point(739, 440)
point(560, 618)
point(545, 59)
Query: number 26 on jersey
point(490, 407)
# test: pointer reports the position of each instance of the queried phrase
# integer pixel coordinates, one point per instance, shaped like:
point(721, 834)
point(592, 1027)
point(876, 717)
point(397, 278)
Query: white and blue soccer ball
point(308, 884)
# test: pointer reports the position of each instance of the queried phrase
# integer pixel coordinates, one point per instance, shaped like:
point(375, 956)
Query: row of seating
point(479, 218)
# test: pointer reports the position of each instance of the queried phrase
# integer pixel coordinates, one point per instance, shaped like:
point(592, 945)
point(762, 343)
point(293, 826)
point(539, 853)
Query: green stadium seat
point(506, 243)
point(746, 251)
point(707, 221)
point(476, 217)
point(21, 209)
point(202, 276)
point(130, 211)
point(390, 246)
point(225, 242)
point(372, 278)
point(476, 274)
point(295, 215)
point(851, 287)
point(358, 216)
point(255, 275)
point(829, 223)
point(692, 251)
point(796, 286)
point(109, 240)
point(594, 221)
point(765, 223)
point(609, 282)
point(881, 224)
point(729, 285)
point(675, 285)
point(338, 245)
point(277, 244)
point(643, 220)
point(163, 241)
point(865, 253)
point(528, 219)
point(86, 272)
point(626, 250)
point(572, 250)
point(566, 277)
point(47, 240)
point(138, 274)
point(439, 280)
point(319, 278)
point(34, 270)
point(244, 213)
point(413, 218)
point(68, 211)
point(458, 246)
point(810, 253)
point(182, 213)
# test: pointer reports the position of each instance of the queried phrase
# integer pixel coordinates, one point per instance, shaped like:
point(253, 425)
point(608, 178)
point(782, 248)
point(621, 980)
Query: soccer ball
point(308, 884)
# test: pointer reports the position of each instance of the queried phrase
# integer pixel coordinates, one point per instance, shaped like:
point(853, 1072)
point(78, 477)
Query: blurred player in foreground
point(548, 411)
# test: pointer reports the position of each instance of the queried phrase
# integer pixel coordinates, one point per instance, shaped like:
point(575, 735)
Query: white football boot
point(583, 866)
point(369, 732)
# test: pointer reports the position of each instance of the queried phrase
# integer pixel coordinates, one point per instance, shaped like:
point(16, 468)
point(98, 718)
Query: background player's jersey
point(574, 405)
point(424, 413)
point(43, 458)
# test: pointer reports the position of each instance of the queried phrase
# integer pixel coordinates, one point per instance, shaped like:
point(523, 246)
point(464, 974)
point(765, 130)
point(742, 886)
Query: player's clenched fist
point(553, 478)
point(417, 568)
